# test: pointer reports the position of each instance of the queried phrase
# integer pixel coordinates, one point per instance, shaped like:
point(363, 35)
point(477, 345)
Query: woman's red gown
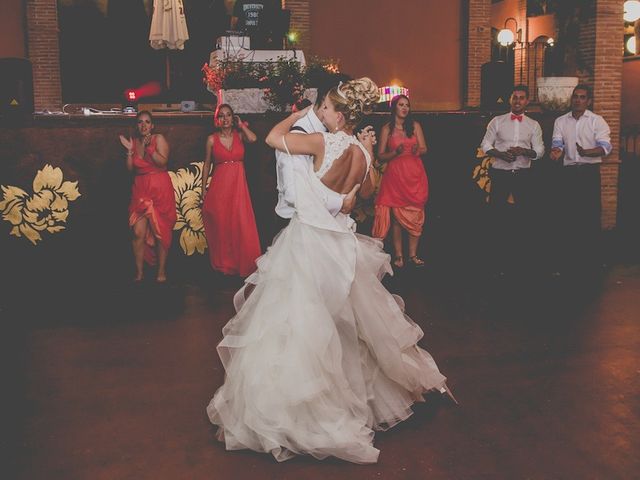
point(152, 197)
point(227, 213)
point(404, 190)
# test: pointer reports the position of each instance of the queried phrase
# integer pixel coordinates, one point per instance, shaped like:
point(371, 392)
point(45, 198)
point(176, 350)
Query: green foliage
point(283, 81)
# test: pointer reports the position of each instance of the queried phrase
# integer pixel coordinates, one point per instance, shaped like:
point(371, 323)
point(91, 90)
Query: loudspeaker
point(496, 83)
point(16, 87)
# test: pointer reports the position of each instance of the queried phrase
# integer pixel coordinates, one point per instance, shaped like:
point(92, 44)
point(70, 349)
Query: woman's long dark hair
point(408, 122)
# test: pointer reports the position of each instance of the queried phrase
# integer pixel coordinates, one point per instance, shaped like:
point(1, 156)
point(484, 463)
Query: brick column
point(521, 52)
point(44, 53)
point(607, 86)
point(478, 47)
point(587, 47)
point(300, 22)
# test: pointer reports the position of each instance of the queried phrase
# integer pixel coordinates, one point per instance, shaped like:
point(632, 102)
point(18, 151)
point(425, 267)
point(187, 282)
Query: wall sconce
point(631, 11)
point(506, 36)
point(631, 45)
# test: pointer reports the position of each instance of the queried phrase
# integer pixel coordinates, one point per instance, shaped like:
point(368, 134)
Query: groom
point(286, 165)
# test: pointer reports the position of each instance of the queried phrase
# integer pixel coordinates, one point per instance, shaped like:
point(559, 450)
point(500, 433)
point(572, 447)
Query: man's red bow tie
point(516, 117)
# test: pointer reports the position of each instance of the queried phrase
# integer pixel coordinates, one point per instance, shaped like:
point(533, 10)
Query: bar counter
point(95, 240)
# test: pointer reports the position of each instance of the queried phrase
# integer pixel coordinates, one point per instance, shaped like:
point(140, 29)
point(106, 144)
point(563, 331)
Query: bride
point(320, 354)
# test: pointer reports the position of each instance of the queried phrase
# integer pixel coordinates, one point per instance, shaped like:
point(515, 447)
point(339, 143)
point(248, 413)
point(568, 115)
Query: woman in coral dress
point(227, 213)
point(404, 188)
point(152, 211)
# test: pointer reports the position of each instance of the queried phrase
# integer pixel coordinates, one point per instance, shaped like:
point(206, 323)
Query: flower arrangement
point(283, 82)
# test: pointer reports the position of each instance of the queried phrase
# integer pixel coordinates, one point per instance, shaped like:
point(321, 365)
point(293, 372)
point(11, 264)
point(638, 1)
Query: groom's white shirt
point(286, 165)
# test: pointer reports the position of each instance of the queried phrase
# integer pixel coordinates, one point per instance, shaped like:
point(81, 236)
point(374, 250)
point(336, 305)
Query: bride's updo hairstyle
point(354, 99)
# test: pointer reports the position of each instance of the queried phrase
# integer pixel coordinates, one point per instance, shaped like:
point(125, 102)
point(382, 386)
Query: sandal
point(398, 261)
point(416, 261)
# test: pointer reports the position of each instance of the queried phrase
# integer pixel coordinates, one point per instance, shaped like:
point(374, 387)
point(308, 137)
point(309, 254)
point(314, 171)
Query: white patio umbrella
point(168, 28)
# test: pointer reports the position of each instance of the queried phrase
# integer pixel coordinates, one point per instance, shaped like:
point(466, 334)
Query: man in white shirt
point(286, 165)
point(580, 139)
point(513, 140)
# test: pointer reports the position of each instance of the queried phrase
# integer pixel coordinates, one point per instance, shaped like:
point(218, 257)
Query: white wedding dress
point(320, 354)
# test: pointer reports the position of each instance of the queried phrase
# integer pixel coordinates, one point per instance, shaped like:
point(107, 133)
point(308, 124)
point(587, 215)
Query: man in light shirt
point(580, 139)
point(513, 140)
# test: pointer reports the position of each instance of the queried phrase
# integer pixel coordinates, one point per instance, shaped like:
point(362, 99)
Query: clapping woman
point(152, 211)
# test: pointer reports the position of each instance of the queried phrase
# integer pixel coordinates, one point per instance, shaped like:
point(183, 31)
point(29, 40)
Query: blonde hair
point(354, 99)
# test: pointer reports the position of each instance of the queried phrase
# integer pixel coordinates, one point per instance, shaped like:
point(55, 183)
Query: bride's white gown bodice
point(320, 354)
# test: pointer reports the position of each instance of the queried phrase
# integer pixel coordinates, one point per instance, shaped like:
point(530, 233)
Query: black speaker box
point(496, 83)
point(16, 87)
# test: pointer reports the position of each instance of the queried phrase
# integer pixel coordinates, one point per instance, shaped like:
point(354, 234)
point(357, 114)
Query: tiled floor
point(99, 385)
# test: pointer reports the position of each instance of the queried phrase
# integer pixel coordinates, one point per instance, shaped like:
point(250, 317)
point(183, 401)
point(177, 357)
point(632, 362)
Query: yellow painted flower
point(481, 175)
point(481, 172)
point(46, 210)
point(188, 193)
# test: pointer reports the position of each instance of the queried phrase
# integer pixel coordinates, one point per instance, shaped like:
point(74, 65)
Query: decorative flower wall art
point(46, 209)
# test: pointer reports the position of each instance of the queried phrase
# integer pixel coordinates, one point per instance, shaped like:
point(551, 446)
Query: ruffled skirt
point(320, 354)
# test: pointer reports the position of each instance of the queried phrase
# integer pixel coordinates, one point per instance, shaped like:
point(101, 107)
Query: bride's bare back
point(344, 163)
point(347, 171)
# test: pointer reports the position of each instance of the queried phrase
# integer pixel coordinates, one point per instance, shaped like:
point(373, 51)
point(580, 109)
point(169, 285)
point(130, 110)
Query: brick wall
point(607, 83)
point(520, 60)
point(44, 54)
point(478, 47)
point(587, 48)
point(300, 22)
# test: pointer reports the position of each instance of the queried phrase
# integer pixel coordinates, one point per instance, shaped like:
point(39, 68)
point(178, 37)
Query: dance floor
point(111, 382)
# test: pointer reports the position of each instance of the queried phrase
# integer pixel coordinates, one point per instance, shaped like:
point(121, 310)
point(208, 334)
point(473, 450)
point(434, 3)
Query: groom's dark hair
point(327, 84)
point(322, 92)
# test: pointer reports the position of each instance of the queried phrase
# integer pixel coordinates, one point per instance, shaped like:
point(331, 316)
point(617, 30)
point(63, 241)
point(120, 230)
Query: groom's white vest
point(286, 165)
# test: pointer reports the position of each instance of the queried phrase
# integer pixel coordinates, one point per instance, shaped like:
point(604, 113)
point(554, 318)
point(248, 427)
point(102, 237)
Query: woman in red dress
point(227, 214)
point(404, 188)
point(152, 211)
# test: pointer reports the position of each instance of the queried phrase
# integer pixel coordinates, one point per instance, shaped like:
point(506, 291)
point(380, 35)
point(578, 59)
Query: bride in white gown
point(320, 354)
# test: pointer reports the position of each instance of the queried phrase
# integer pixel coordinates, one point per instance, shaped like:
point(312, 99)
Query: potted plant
point(563, 61)
point(284, 83)
point(269, 86)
